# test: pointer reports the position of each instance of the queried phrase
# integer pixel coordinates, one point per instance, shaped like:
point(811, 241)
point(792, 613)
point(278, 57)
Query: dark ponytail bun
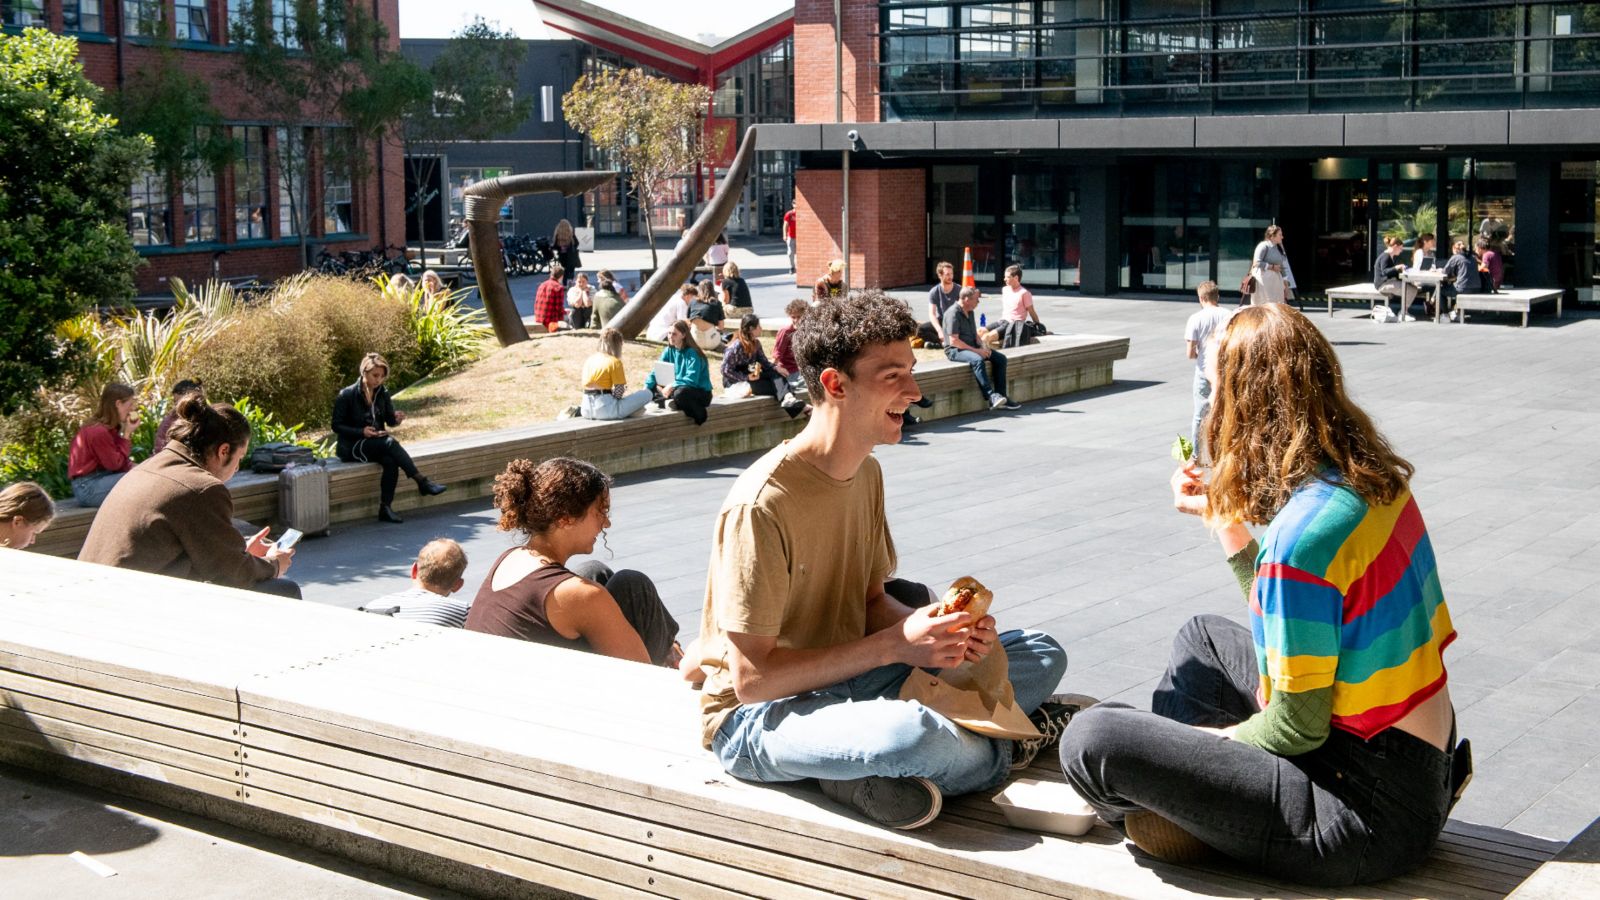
point(533, 498)
point(203, 427)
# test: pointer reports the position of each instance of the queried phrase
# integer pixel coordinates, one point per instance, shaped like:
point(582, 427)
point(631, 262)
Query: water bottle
point(983, 320)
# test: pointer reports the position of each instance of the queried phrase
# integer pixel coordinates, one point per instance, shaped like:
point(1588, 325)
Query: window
point(200, 203)
point(22, 13)
point(463, 178)
point(291, 164)
point(192, 20)
point(81, 15)
point(279, 16)
point(148, 211)
point(141, 18)
point(250, 185)
point(338, 193)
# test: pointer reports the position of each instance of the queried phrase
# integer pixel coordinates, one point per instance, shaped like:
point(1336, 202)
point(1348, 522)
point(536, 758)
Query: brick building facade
point(236, 223)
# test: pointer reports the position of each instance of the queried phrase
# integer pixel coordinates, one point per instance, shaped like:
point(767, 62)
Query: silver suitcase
point(303, 498)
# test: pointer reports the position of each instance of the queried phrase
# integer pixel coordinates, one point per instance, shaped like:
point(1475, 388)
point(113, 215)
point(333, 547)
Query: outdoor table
point(1419, 278)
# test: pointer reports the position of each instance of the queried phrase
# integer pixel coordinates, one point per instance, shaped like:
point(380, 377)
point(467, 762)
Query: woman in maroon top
point(563, 505)
point(101, 452)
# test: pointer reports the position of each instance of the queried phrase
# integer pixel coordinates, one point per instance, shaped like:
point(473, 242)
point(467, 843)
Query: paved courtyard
point(1063, 509)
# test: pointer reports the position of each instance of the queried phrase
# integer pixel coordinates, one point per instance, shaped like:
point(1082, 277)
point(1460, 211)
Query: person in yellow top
point(605, 386)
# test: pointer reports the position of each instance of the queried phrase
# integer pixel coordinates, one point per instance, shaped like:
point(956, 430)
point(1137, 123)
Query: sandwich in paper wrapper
point(975, 695)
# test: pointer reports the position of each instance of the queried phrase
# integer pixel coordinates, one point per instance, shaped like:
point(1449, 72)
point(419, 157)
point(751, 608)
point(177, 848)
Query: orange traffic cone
point(966, 268)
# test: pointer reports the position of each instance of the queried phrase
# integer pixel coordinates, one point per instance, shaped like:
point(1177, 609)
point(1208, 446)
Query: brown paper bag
point(977, 696)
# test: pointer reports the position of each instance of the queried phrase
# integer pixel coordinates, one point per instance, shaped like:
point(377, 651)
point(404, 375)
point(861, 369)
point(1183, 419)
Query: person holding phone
point(173, 514)
point(362, 417)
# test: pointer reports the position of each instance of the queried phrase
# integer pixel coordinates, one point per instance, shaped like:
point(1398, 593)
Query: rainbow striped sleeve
point(1348, 596)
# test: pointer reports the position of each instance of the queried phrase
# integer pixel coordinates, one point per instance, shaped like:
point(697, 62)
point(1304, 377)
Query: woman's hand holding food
point(1189, 490)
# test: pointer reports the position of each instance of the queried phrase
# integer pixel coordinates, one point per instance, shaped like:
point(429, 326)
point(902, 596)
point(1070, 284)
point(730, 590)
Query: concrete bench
point(506, 768)
point(1060, 364)
point(1520, 300)
point(1363, 293)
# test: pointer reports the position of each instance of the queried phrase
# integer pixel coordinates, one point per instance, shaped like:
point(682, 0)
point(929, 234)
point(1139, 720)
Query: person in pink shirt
point(101, 452)
point(1016, 309)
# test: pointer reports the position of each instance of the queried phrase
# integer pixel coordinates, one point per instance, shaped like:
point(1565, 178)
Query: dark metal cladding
point(482, 202)
point(668, 279)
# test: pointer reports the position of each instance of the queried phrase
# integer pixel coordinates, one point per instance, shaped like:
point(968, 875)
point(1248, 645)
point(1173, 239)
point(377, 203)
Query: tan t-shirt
point(794, 555)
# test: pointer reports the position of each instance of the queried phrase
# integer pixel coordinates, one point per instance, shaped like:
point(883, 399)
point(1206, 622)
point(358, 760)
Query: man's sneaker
point(1051, 719)
point(1011, 404)
point(903, 803)
point(997, 401)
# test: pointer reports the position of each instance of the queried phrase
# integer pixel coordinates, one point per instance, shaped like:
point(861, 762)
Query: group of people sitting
point(1471, 269)
point(1317, 745)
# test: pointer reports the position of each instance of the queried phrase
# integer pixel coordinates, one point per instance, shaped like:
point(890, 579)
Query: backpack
point(276, 457)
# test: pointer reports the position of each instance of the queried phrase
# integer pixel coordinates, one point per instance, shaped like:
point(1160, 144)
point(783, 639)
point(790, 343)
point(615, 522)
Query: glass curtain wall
point(961, 214)
point(1578, 228)
point(1341, 204)
point(1043, 226)
point(1020, 58)
point(1166, 225)
point(1245, 207)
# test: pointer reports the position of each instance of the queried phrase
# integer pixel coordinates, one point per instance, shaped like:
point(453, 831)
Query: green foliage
point(474, 87)
point(273, 356)
point(38, 452)
point(448, 333)
point(266, 429)
point(335, 66)
point(173, 108)
point(652, 127)
point(64, 241)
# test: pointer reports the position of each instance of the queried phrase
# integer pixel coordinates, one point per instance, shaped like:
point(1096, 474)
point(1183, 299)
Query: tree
point(472, 96)
point(64, 243)
point(331, 63)
point(650, 127)
point(173, 109)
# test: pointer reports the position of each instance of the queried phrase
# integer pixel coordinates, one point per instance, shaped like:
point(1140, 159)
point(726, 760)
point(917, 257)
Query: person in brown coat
point(173, 514)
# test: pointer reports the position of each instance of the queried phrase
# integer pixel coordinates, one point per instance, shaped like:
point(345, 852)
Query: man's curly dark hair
point(834, 332)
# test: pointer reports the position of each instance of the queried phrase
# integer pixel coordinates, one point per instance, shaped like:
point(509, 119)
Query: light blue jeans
point(607, 406)
point(1202, 405)
point(858, 728)
point(91, 490)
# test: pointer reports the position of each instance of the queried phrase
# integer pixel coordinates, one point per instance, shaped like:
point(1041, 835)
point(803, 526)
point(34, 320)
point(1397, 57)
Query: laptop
point(1427, 263)
point(664, 373)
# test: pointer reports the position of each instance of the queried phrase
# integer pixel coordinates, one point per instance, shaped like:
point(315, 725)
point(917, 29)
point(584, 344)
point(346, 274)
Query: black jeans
point(1348, 812)
point(386, 452)
point(692, 402)
point(579, 316)
point(641, 605)
point(278, 587)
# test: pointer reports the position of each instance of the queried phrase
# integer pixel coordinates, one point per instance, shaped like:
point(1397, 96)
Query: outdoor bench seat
point(495, 765)
point(1060, 364)
point(1362, 293)
point(1519, 300)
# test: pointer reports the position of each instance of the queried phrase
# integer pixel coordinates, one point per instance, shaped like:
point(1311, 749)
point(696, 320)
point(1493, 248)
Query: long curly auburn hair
point(1280, 416)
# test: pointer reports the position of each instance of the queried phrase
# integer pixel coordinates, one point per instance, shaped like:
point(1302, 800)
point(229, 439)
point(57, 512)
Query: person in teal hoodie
point(690, 391)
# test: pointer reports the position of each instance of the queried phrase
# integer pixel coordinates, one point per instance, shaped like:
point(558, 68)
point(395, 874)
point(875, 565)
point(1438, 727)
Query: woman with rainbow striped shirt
point(1318, 744)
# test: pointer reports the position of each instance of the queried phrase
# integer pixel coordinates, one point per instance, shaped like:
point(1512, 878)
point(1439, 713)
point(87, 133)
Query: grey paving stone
point(1077, 536)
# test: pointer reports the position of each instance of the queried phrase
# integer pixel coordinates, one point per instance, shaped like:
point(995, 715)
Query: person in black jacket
point(1461, 275)
point(565, 243)
point(362, 416)
point(1386, 273)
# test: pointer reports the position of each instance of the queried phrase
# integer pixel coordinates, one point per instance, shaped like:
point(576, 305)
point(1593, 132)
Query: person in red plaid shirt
point(550, 303)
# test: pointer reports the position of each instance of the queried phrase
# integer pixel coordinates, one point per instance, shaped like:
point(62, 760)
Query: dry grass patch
point(523, 384)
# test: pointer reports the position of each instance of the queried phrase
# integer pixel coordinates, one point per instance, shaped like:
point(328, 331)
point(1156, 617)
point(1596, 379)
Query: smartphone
point(289, 539)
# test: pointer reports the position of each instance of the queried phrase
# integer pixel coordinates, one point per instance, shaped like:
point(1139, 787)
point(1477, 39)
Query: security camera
point(853, 135)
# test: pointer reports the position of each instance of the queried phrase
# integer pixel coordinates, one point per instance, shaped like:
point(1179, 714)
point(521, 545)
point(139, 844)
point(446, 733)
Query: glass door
point(958, 218)
point(1340, 207)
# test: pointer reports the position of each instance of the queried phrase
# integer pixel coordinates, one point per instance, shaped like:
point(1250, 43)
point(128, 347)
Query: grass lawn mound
point(523, 384)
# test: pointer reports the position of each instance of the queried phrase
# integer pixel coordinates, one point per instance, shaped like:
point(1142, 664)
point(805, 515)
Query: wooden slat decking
point(567, 770)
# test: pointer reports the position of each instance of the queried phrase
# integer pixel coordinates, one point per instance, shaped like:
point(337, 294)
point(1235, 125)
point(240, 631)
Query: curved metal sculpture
point(482, 203)
point(668, 279)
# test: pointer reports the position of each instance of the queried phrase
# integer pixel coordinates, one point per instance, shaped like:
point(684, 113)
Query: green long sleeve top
point(1291, 724)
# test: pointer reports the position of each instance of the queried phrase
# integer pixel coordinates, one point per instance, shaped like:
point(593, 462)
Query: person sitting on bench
point(1386, 272)
point(363, 413)
point(1317, 745)
point(434, 577)
point(806, 641)
point(173, 514)
point(562, 505)
point(1461, 274)
point(25, 510)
